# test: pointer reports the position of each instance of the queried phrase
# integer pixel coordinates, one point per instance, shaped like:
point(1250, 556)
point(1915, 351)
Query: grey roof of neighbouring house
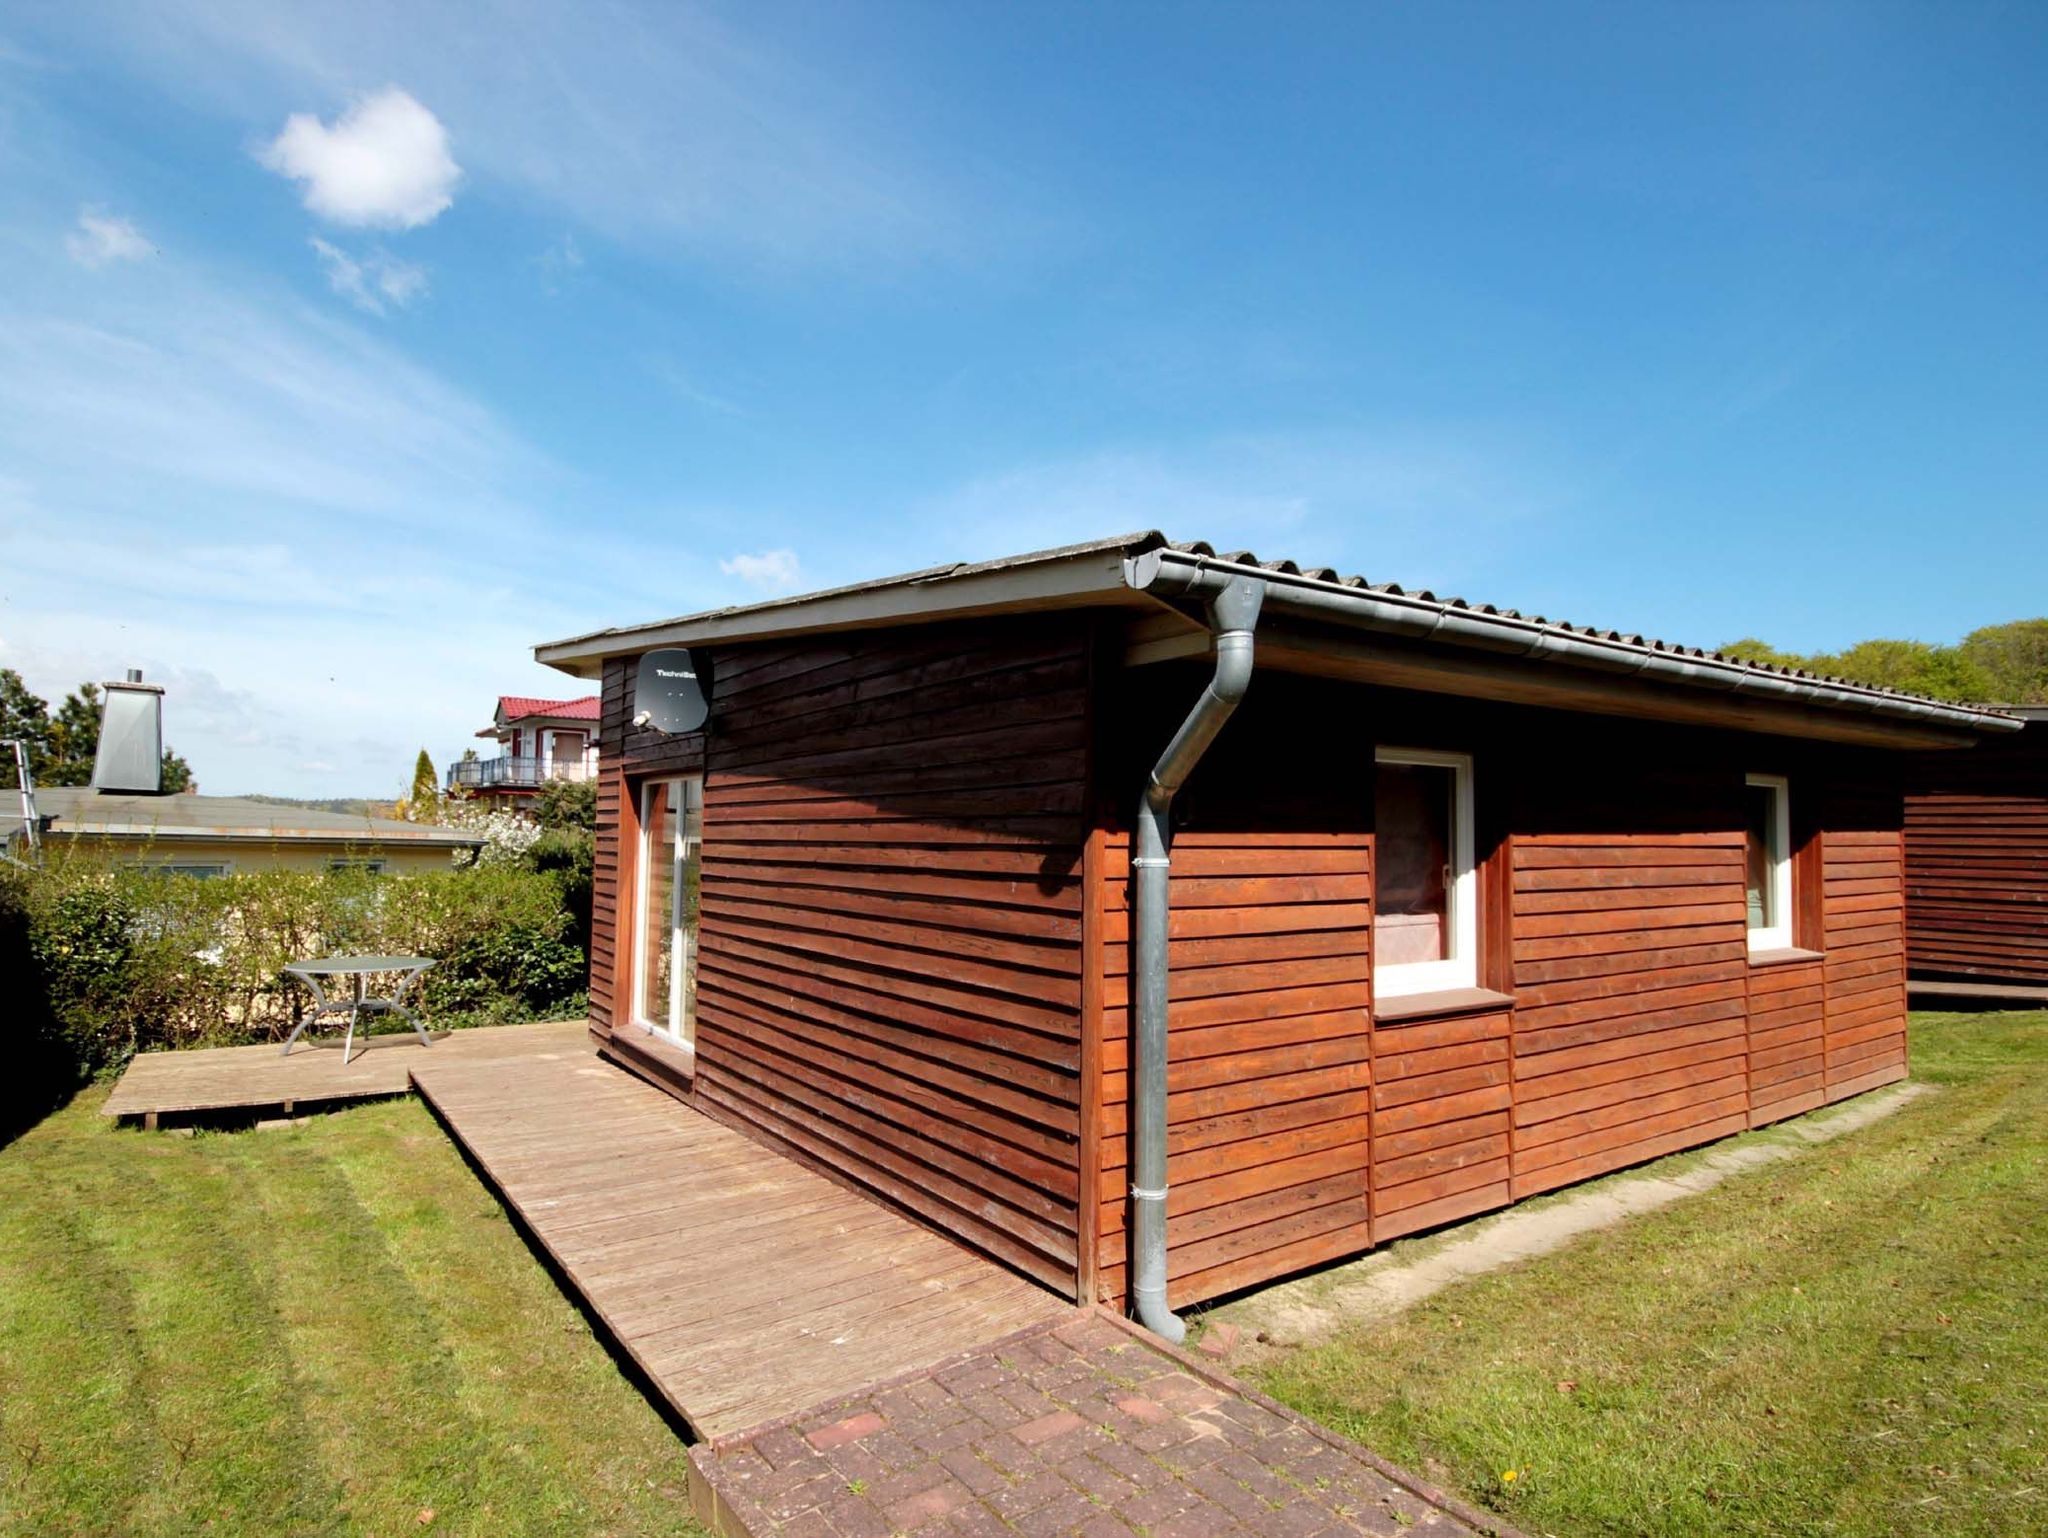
point(1126, 570)
point(80, 812)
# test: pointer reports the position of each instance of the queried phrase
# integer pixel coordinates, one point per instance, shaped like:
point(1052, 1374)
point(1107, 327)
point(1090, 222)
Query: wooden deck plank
point(758, 1288)
point(259, 1077)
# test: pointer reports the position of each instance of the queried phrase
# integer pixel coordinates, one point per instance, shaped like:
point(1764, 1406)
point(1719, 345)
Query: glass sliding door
point(665, 970)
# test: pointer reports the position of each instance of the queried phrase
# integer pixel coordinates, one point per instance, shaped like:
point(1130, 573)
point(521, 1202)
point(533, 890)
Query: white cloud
point(330, 554)
point(684, 127)
point(383, 163)
point(378, 279)
point(102, 239)
point(772, 571)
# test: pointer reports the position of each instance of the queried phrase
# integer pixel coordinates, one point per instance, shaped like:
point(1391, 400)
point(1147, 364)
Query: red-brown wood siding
point(1631, 968)
point(1977, 861)
point(1442, 1135)
point(1639, 1023)
point(1787, 1040)
point(1269, 1089)
point(912, 841)
point(1864, 861)
point(889, 976)
point(626, 756)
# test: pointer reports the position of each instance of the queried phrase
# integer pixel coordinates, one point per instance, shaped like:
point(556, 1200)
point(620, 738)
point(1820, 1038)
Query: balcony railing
point(509, 773)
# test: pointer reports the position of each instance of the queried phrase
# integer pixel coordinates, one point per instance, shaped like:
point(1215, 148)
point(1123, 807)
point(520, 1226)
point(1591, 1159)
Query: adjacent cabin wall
point(1977, 861)
point(889, 976)
point(1631, 1019)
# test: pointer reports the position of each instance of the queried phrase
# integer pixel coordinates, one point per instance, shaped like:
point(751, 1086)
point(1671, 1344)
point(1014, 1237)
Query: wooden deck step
point(746, 1287)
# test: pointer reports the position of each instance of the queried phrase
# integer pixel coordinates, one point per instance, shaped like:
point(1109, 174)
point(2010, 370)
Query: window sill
point(1405, 1007)
point(1783, 957)
point(643, 1043)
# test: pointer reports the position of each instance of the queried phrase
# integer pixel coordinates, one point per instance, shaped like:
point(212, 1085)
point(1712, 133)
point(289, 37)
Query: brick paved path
point(1085, 1428)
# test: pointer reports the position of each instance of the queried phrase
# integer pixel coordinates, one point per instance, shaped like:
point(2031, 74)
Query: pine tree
point(426, 784)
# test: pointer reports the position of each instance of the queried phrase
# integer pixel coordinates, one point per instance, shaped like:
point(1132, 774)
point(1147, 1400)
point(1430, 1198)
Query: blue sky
point(346, 352)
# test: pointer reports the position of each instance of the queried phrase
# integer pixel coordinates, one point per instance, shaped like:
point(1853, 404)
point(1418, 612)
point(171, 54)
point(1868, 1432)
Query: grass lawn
point(323, 1329)
point(1852, 1342)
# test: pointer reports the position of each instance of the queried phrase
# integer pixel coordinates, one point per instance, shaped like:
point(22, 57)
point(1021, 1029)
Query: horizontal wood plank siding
point(1269, 1090)
point(1787, 1048)
point(896, 911)
point(606, 901)
point(889, 979)
point(1613, 867)
point(1864, 872)
point(1977, 861)
point(1442, 1134)
point(1631, 973)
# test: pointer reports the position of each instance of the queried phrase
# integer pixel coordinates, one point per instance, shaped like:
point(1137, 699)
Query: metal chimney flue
point(130, 760)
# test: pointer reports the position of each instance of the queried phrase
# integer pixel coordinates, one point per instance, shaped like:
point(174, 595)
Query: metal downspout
point(1233, 612)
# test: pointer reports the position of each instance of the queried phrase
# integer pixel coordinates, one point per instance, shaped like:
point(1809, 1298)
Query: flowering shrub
point(508, 836)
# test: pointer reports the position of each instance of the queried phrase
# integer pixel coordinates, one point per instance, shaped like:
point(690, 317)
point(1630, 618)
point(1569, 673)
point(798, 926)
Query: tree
point(567, 804)
point(567, 812)
point(74, 739)
point(1940, 671)
point(426, 784)
point(1750, 649)
point(2015, 658)
point(1997, 665)
point(25, 716)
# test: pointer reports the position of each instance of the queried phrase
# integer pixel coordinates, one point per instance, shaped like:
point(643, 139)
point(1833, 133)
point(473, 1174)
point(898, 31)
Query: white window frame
point(681, 1029)
point(1778, 851)
point(1461, 968)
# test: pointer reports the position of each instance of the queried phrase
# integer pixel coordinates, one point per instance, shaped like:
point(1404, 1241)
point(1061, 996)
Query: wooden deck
point(259, 1078)
point(1952, 993)
point(746, 1287)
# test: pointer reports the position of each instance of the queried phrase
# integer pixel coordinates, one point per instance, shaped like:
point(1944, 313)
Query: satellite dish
point(672, 693)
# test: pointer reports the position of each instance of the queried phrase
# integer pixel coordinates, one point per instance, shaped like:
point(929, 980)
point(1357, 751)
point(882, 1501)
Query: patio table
point(358, 970)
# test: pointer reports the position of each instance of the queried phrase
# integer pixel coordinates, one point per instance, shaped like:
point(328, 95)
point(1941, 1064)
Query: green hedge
point(111, 961)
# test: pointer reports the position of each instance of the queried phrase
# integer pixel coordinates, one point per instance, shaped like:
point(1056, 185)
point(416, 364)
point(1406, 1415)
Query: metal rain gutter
point(1233, 612)
point(1171, 573)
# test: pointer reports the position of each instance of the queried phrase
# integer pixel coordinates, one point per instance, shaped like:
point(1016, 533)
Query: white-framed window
point(1767, 820)
point(665, 927)
point(1425, 917)
point(198, 871)
point(345, 863)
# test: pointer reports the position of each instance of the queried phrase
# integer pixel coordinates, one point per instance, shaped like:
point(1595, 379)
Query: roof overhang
point(1316, 624)
point(555, 723)
point(1075, 576)
point(439, 838)
point(1401, 640)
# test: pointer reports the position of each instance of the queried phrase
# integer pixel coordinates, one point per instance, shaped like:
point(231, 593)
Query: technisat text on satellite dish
point(672, 691)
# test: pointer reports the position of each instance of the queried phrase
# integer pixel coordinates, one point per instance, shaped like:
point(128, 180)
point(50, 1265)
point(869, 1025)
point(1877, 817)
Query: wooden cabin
point(1463, 905)
point(1977, 860)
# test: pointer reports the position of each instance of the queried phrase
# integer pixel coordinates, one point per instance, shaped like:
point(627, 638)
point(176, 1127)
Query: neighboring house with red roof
point(538, 741)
